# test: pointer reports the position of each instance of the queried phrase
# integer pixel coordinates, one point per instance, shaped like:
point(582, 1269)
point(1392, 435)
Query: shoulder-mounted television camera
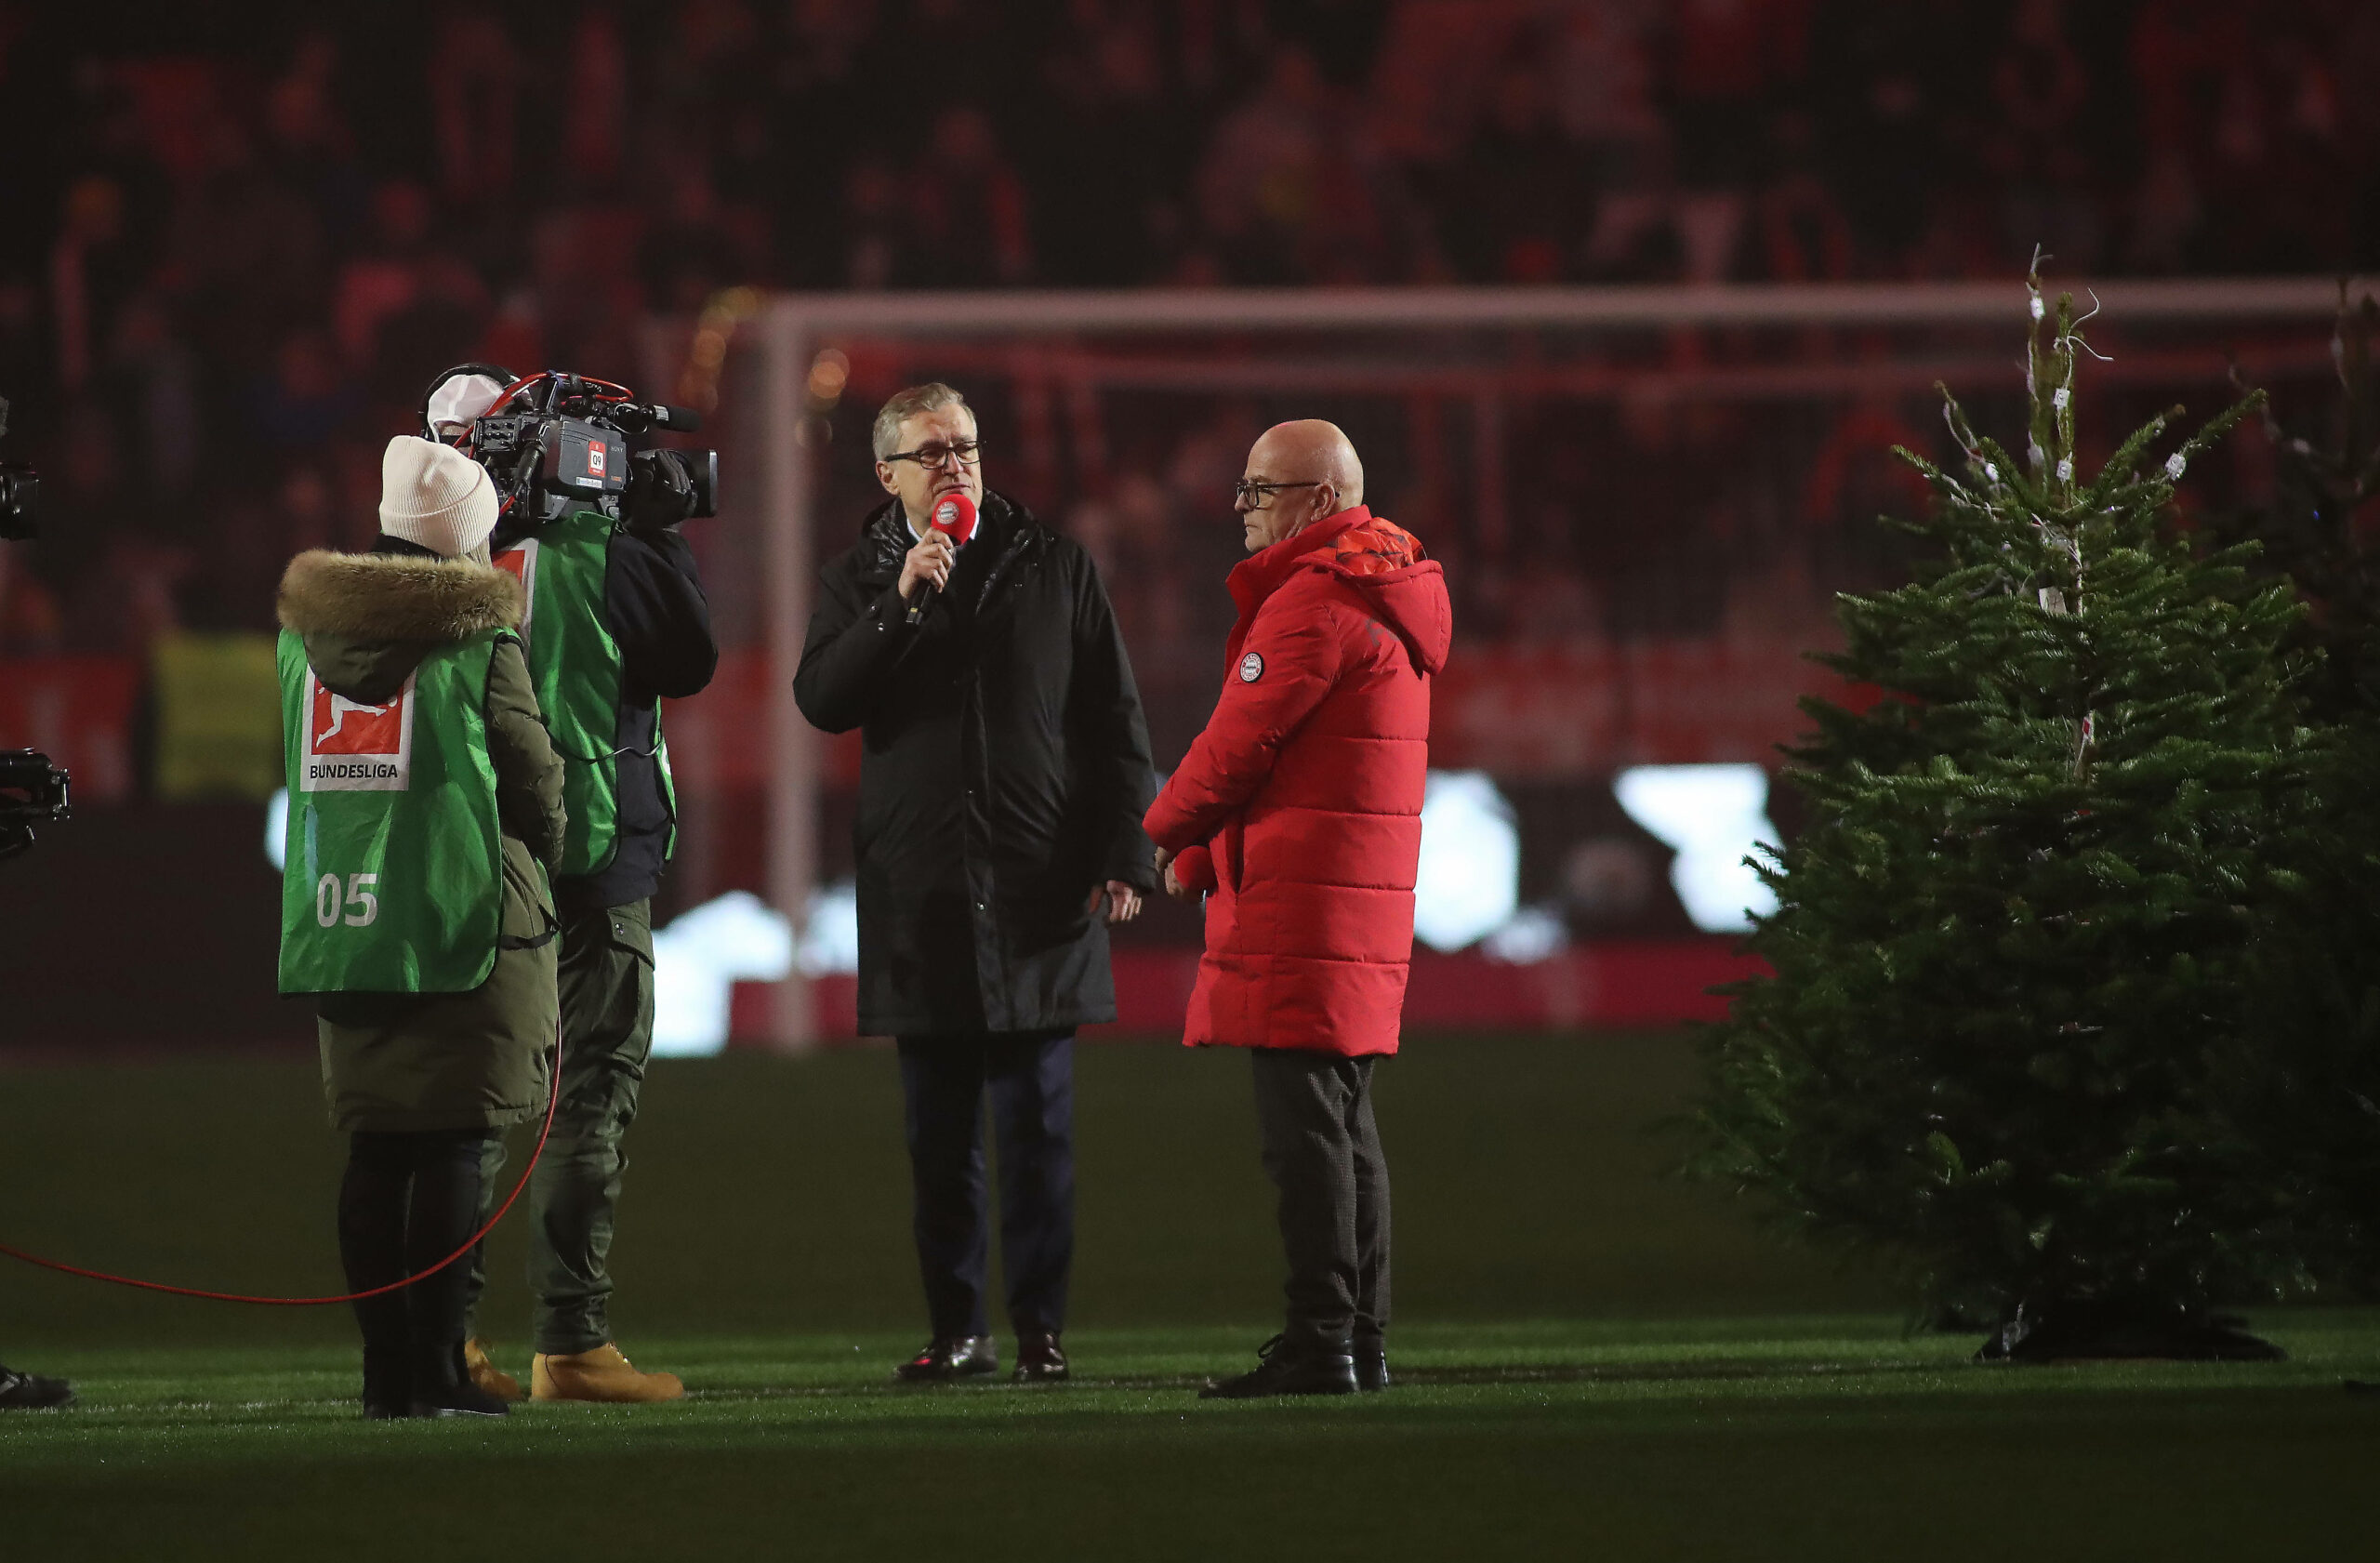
point(19, 493)
point(555, 441)
point(33, 792)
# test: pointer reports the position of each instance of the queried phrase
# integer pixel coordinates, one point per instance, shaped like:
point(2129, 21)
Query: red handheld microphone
point(954, 516)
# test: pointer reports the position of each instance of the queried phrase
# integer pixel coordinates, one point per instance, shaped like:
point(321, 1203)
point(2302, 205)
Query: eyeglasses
point(1256, 493)
point(932, 457)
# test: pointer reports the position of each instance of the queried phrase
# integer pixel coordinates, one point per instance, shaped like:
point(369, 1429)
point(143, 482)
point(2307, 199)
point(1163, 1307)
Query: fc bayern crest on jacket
point(1251, 667)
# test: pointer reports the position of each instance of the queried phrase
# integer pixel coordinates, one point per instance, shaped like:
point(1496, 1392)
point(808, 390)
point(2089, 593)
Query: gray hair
point(906, 404)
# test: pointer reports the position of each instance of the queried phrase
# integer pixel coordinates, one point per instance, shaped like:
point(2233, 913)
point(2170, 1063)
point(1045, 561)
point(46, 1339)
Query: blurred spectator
point(877, 254)
point(383, 277)
point(155, 376)
point(121, 608)
point(965, 206)
point(687, 256)
point(30, 624)
point(307, 399)
point(310, 149)
point(595, 130)
point(1281, 193)
point(1517, 204)
point(2040, 90)
point(475, 80)
point(1731, 59)
point(1879, 121)
point(1804, 235)
point(1604, 82)
point(89, 269)
point(1117, 146)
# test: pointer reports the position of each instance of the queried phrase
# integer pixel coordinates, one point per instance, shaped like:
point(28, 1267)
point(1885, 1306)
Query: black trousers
point(407, 1202)
point(1322, 1151)
point(1030, 1078)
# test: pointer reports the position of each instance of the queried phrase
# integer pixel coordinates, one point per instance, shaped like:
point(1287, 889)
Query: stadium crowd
point(261, 233)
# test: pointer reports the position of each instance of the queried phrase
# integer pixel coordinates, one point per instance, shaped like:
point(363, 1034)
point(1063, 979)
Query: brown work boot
point(601, 1374)
point(485, 1375)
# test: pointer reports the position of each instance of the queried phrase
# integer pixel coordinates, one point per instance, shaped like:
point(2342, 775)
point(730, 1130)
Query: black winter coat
point(1004, 772)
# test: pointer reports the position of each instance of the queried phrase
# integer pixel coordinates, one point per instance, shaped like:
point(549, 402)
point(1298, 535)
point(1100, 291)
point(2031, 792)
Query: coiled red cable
point(553, 1101)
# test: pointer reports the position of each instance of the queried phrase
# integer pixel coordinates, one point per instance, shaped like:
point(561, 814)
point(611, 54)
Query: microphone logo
point(954, 516)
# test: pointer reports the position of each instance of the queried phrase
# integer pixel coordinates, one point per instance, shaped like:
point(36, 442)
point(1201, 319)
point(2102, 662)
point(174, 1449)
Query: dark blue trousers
point(1030, 1078)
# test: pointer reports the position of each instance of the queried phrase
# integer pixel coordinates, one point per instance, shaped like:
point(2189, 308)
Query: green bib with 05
point(394, 880)
point(576, 664)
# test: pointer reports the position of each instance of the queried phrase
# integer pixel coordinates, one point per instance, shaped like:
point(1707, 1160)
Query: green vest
point(575, 666)
point(394, 878)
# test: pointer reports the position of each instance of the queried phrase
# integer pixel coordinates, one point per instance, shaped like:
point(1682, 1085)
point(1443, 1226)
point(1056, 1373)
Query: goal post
point(1492, 352)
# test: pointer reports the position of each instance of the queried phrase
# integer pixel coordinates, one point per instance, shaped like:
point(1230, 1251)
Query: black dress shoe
point(1040, 1359)
point(1371, 1365)
point(457, 1400)
point(950, 1357)
point(1284, 1368)
point(31, 1392)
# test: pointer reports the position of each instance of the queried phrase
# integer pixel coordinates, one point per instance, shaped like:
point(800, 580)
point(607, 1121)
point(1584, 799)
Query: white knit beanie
point(435, 495)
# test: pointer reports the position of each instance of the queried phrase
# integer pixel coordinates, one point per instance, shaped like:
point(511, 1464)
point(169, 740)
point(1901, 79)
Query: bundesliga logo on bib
point(352, 748)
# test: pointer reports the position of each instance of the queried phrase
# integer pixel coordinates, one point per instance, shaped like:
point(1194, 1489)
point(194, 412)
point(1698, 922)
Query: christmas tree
point(2014, 957)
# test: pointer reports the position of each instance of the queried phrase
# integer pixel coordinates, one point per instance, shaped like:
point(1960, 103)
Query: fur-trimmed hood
point(396, 597)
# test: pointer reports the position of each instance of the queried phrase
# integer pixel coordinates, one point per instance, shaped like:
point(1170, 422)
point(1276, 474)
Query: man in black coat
point(1003, 774)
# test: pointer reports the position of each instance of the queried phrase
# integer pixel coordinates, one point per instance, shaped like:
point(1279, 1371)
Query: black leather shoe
point(1371, 1365)
point(1040, 1359)
point(1291, 1370)
point(458, 1399)
point(947, 1357)
point(31, 1392)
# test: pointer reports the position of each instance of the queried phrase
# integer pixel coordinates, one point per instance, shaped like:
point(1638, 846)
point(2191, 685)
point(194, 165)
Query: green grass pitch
point(1595, 1361)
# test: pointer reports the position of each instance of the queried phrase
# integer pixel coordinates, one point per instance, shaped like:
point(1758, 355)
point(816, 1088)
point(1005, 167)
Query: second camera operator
point(616, 622)
point(31, 789)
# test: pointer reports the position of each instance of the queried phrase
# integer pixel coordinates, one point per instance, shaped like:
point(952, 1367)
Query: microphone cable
point(553, 1102)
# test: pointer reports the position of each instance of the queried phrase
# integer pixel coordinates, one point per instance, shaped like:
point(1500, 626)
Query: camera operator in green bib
point(615, 621)
point(425, 799)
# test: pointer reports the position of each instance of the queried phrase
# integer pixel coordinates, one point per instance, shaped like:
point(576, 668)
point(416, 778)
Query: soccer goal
point(1645, 496)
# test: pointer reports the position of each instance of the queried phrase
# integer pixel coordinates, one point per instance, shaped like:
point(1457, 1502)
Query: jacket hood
point(1405, 587)
point(396, 597)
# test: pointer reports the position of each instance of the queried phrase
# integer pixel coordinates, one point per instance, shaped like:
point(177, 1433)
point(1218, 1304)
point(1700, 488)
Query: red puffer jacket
point(1300, 807)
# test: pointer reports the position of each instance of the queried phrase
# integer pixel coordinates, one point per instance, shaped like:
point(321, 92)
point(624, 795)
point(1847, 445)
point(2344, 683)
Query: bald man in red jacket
point(1298, 812)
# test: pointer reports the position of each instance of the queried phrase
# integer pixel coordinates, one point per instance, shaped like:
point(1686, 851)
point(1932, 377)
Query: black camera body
point(557, 443)
point(33, 792)
point(20, 494)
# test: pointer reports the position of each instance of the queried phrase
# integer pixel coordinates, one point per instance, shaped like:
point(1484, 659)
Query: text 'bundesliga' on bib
point(354, 747)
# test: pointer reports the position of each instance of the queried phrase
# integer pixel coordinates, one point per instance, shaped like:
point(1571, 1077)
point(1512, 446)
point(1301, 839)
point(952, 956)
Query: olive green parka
point(475, 1060)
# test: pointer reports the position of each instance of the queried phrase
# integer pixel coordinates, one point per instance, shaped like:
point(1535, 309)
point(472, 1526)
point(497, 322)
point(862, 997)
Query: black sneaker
point(950, 1357)
point(1371, 1365)
point(31, 1392)
point(1283, 1369)
point(1040, 1359)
